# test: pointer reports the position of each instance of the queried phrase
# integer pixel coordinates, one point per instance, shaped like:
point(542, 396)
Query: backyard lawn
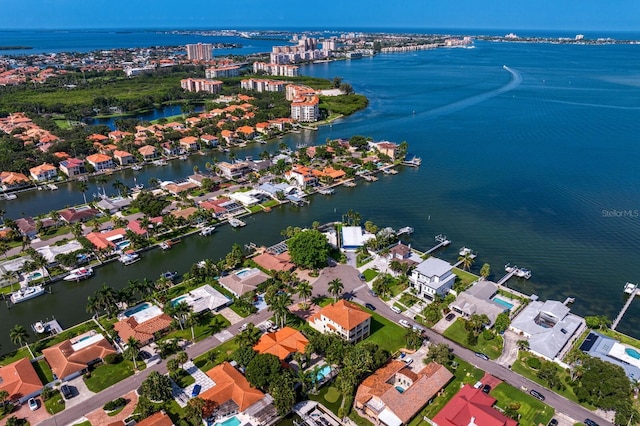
point(465, 277)
point(520, 366)
point(386, 334)
point(55, 404)
point(532, 411)
point(106, 375)
point(457, 333)
point(370, 274)
point(207, 325)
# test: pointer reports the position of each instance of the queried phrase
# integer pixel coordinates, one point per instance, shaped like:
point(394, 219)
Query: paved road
point(355, 289)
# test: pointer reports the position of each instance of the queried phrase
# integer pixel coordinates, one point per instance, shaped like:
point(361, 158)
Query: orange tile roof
point(246, 130)
point(45, 167)
point(121, 154)
point(64, 361)
point(100, 239)
point(98, 158)
point(275, 262)
point(231, 385)
point(343, 313)
point(147, 150)
point(19, 379)
point(143, 332)
point(282, 343)
point(158, 419)
point(12, 178)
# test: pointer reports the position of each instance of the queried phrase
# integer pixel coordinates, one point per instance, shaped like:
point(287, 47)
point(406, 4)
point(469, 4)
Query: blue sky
point(578, 15)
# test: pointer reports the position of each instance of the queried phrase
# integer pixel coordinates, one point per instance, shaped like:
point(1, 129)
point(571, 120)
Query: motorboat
point(79, 274)
point(137, 167)
point(236, 223)
point(129, 258)
point(39, 327)
point(169, 275)
point(207, 231)
point(165, 245)
point(27, 293)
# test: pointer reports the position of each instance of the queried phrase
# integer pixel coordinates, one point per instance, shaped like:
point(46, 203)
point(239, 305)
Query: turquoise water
point(244, 272)
point(503, 302)
point(123, 244)
point(130, 312)
point(323, 373)
point(232, 421)
point(400, 389)
point(174, 302)
point(85, 338)
point(632, 353)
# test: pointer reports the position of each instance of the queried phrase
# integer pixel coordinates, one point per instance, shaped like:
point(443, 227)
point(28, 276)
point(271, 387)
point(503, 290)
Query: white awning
point(388, 418)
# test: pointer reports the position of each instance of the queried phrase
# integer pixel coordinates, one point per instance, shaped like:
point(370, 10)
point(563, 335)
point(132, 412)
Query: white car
point(404, 323)
point(33, 404)
point(396, 309)
point(408, 361)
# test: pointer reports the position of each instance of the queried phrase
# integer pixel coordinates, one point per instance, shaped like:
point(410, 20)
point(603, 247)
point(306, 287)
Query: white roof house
point(432, 277)
point(548, 326)
point(353, 237)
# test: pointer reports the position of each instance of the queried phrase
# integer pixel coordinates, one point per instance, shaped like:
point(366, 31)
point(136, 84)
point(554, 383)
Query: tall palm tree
point(82, 187)
point(467, 260)
point(19, 336)
point(335, 288)
point(120, 187)
point(180, 312)
point(4, 248)
point(249, 336)
point(133, 350)
point(305, 291)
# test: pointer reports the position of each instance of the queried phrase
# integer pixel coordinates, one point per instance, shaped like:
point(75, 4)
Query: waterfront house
point(108, 239)
point(73, 357)
point(13, 180)
point(611, 350)
point(353, 238)
point(27, 227)
point(303, 177)
point(233, 171)
point(282, 343)
point(72, 167)
point(275, 261)
point(113, 205)
point(232, 394)
point(177, 188)
point(123, 157)
point(171, 148)
point(158, 419)
point(432, 277)
point(205, 298)
point(222, 206)
point(100, 162)
point(343, 318)
point(190, 143)
point(246, 132)
point(20, 380)
point(72, 215)
point(209, 140)
point(471, 406)
point(386, 148)
point(143, 325)
point(43, 172)
point(394, 393)
point(478, 299)
point(240, 282)
point(227, 135)
point(547, 326)
point(148, 152)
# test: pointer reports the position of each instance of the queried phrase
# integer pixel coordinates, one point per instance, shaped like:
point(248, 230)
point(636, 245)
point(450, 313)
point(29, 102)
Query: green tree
point(304, 290)
point(502, 323)
point(283, 393)
point(467, 260)
point(335, 288)
point(243, 355)
point(440, 353)
point(262, 370)
point(523, 345)
point(133, 350)
point(413, 338)
point(19, 336)
point(485, 271)
point(249, 336)
point(156, 387)
point(173, 366)
point(309, 249)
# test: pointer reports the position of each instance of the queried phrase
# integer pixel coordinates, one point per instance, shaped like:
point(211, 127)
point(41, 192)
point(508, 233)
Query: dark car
point(534, 393)
point(553, 422)
point(450, 316)
point(362, 278)
point(369, 306)
point(486, 389)
point(196, 391)
point(483, 356)
point(590, 422)
point(66, 392)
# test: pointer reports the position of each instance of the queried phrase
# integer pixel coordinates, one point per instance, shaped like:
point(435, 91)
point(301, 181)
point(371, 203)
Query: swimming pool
point(123, 244)
point(177, 300)
point(502, 302)
point(32, 276)
point(131, 312)
point(632, 353)
point(400, 389)
point(244, 272)
point(324, 372)
point(232, 421)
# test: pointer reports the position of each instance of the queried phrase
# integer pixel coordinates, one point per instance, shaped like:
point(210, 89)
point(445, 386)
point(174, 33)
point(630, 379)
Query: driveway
point(510, 349)
point(231, 316)
point(99, 417)
point(33, 417)
point(80, 392)
point(349, 276)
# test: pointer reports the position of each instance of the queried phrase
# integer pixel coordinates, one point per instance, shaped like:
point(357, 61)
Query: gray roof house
point(477, 300)
point(610, 350)
point(547, 326)
point(432, 276)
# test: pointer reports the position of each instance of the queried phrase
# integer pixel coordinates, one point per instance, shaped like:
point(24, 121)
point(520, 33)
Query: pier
point(506, 277)
point(407, 230)
point(632, 291)
point(442, 242)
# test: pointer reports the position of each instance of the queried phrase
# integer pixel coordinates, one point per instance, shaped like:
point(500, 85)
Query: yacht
point(27, 293)
point(129, 258)
point(39, 327)
point(165, 245)
point(137, 167)
point(236, 223)
point(79, 274)
point(207, 231)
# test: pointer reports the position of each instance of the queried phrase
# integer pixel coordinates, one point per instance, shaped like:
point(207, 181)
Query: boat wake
point(632, 108)
point(516, 79)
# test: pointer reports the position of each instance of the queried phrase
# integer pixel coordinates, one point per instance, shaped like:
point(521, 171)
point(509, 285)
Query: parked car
point(450, 316)
point(362, 278)
point(553, 422)
point(590, 422)
point(66, 392)
point(373, 293)
point(396, 309)
point(196, 390)
point(534, 393)
point(370, 306)
point(33, 404)
point(486, 389)
point(478, 385)
point(408, 361)
point(404, 323)
point(483, 356)
point(244, 326)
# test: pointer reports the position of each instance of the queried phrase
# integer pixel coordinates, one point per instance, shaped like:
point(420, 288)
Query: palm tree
point(249, 336)
point(182, 358)
point(133, 350)
point(4, 248)
point(180, 312)
point(120, 187)
point(305, 291)
point(82, 187)
point(466, 260)
point(335, 288)
point(18, 336)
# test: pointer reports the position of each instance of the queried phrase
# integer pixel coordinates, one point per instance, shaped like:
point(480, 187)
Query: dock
point(632, 291)
point(414, 162)
point(442, 242)
point(51, 327)
point(407, 230)
point(349, 184)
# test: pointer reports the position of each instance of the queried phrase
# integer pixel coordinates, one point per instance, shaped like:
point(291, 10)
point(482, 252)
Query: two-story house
point(343, 318)
point(432, 277)
point(100, 161)
point(43, 172)
point(72, 167)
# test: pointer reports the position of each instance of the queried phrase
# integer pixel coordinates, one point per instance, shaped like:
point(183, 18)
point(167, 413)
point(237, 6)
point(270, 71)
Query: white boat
point(236, 223)
point(169, 275)
point(161, 162)
point(165, 245)
point(79, 274)
point(465, 251)
point(183, 157)
point(207, 231)
point(39, 327)
point(27, 293)
point(326, 191)
point(129, 258)
point(137, 167)
point(9, 196)
point(523, 273)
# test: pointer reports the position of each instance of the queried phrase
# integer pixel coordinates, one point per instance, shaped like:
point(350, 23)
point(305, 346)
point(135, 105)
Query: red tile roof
point(64, 360)
point(19, 379)
point(231, 385)
point(274, 262)
point(282, 343)
point(471, 403)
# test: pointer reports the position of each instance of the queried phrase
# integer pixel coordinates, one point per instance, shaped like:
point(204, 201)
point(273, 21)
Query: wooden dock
point(442, 242)
point(406, 230)
point(506, 277)
point(632, 296)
